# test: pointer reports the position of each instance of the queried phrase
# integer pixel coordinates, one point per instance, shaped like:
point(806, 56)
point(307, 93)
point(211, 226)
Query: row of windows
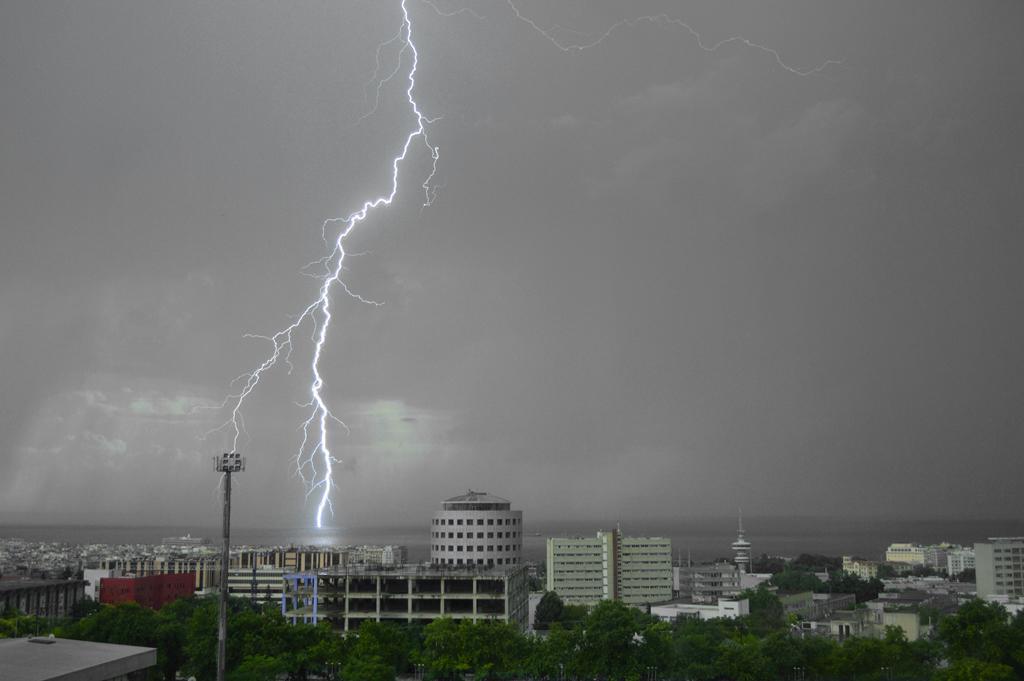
point(479, 535)
point(479, 521)
point(470, 549)
point(479, 561)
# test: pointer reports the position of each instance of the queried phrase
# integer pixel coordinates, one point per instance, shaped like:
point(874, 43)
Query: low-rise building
point(205, 569)
point(799, 604)
point(348, 596)
point(92, 577)
point(49, 598)
point(865, 569)
point(59, 659)
point(151, 591)
point(724, 608)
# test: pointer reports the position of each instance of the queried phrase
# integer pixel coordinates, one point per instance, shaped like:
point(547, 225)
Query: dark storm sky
point(657, 281)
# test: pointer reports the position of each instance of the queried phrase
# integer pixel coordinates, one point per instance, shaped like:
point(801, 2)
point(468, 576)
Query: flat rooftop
point(15, 584)
point(418, 570)
point(61, 659)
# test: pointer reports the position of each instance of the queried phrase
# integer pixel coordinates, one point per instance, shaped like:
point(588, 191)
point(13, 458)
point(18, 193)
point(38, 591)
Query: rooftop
point(48, 659)
point(471, 497)
point(15, 584)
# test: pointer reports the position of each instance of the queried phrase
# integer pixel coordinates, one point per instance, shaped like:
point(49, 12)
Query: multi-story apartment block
point(706, 583)
point(348, 596)
point(388, 555)
point(291, 559)
point(999, 567)
point(476, 528)
point(958, 560)
point(260, 584)
point(634, 570)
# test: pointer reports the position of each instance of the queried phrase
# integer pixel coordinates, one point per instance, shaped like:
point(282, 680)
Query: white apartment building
point(388, 555)
point(476, 528)
point(610, 566)
point(999, 566)
point(958, 560)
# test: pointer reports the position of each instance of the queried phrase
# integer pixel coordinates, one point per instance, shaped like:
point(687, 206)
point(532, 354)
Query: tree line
point(609, 641)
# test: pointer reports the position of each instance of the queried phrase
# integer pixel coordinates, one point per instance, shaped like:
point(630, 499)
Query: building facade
point(958, 560)
point(610, 566)
point(205, 569)
point(259, 584)
point(388, 555)
point(905, 552)
point(999, 567)
point(706, 583)
point(348, 596)
point(476, 528)
point(41, 597)
point(152, 591)
point(865, 569)
point(291, 559)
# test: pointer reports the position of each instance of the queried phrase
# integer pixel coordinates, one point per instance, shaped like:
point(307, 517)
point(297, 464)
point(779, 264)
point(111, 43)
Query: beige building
point(291, 559)
point(905, 552)
point(865, 569)
point(610, 566)
point(999, 567)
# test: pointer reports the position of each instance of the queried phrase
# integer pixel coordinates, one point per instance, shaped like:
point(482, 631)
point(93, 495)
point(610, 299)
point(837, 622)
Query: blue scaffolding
point(300, 592)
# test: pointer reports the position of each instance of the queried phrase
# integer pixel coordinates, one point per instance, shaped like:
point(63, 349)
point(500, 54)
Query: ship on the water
point(187, 540)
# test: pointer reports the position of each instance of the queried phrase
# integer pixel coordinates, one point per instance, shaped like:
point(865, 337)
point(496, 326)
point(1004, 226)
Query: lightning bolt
point(587, 41)
point(314, 461)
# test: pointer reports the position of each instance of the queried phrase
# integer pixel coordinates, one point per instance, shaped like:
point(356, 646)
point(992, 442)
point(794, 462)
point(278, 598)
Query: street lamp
point(227, 463)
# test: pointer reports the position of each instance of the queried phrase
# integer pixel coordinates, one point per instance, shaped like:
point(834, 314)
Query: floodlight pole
point(229, 463)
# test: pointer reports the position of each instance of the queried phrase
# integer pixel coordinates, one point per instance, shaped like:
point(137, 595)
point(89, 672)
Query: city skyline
point(656, 281)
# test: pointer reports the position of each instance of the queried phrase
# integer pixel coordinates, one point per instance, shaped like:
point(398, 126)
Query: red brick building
point(153, 591)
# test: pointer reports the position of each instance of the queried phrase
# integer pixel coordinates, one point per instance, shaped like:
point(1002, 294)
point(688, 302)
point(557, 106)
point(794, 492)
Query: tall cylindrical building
point(476, 528)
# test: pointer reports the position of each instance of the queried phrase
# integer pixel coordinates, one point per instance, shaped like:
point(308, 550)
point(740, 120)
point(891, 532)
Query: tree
point(981, 631)
point(549, 610)
point(258, 668)
point(743, 659)
point(968, 576)
point(817, 562)
point(766, 611)
point(796, 580)
point(969, 669)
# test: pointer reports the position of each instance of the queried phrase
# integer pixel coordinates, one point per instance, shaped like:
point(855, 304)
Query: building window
point(479, 535)
point(490, 521)
point(479, 521)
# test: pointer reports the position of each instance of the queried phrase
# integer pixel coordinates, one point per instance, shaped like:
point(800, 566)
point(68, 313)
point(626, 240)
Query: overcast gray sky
point(656, 281)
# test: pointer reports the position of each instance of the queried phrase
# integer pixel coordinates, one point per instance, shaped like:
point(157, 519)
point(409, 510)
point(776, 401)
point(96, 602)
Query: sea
point(699, 539)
